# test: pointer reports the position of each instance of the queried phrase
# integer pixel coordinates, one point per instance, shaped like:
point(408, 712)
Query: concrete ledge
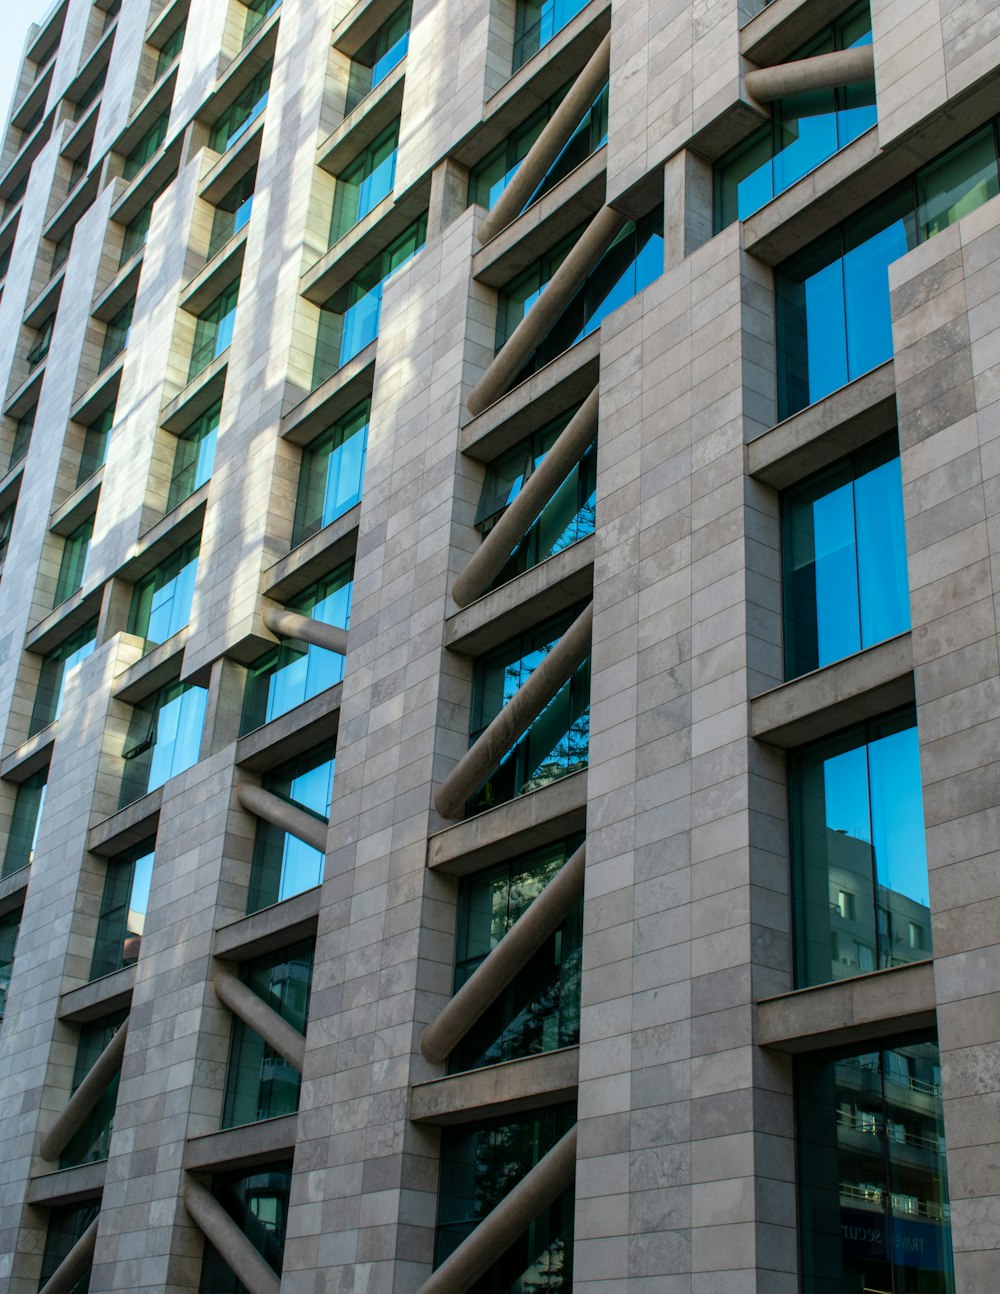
point(266, 1142)
point(126, 827)
point(497, 1089)
point(359, 23)
point(526, 823)
point(13, 889)
point(224, 268)
point(564, 382)
point(826, 431)
point(100, 997)
point(546, 589)
point(151, 671)
point(371, 116)
point(242, 69)
point(313, 558)
point(30, 756)
point(230, 167)
point(829, 699)
point(315, 410)
point(21, 400)
point(45, 302)
point(783, 25)
point(68, 1185)
point(64, 619)
point(76, 506)
point(168, 534)
point(100, 395)
point(198, 396)
point(120, 290)
point(290, 734)
point(274, 927)
point(11, 484)
point(872, 1006)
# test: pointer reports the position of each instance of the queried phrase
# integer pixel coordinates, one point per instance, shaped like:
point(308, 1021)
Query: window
point(237, 119)
point(169, 51)
point(92, 1139)
point(540, 1009)
point(213, 330)
point(260, 1084)
point(832, 298)
point(161, 601)
point(6, 525)
point(122, 917)
point(43, 340)
point(194, 457)
point(363, 184)
point(67, 1223)
point(146, 148)
point(350, 319)
point(164, 738)
point(25, 821)
point(89, 95)
point(557, 742)
point(96, 439)
point(10, 923)
point(283, 865)
point(257, 1201)
point(805, 129)
point(258, 12)
point(136, 233)
point(378, 56)
point(116, 334)
point(297, 671)
point(54, 671)
point(537, 21)
point(22, 436)
point(332, 474)
point(844, 559)
point(857, 829)
point(232, 212)
point(873, 1184)
point(60, 253)
point(73, 564)
point(630, 264)
point(491, 176)
point(481, 1163)
point(568, 516)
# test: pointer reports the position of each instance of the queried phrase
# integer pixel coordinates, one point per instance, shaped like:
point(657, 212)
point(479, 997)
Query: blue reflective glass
point(332, 474)
point(177, 741)
point(884, 590)
point(393, 56)
point(283, 865)
point(535, 23)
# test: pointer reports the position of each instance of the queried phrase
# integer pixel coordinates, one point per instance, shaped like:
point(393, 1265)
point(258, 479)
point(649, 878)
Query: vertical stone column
point(945, 307)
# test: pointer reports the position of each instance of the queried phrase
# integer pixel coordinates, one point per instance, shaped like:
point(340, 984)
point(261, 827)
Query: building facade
point(498, 625)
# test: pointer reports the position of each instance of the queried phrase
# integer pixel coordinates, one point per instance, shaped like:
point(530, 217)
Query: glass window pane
point(25, 821)
point(10, 924)
point(884, 586)
point(257, 1201)
point(283, 865)
point(872, 241)
point(122, 917)
point(957, 183)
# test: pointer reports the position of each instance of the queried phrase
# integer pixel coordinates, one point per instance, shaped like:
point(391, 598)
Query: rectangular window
point(297, 671)
point(557, 742)
point(363, 184)
point(67, 1223)
point(857, 829)
point(22, 436)
point(73, 563)
point(135, 235)
point(169, 51)
point(164, 738)
point(213, 330)
point(378, 56)
point(258, 12)
point(161, 601)
point(872, 1173)
point(54, 671)
point(194, 457)
point(232, 212)
point(116, 334)
point(350, 319)
point(283, 865)
point(481, 1163)
point(260, 1084)
point(93, 1138)
point(242, 112)
point(43, 340)
point(10, 923)
point(539, 1010)
point(146, 148)
point(567, 517)
point(96, 439)
point(332, 473)
point(536, 22)
point(843, 553)
point(257, 1201)
point(122, 917)
point(25, 822)
point(6, 526)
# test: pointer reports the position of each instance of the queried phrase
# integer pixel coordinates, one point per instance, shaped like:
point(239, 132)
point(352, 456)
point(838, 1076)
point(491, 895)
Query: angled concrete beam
point(284, 816)
point(289, 624)
point(516, 717)
point(263, 1019)
point(74, 1265)
point(236, 1250)
point(573, 442)
point(593, 243)
point(842, 67)
point(550, 142)
point(514, 951)
point(511, 1217)
point(86, 1096)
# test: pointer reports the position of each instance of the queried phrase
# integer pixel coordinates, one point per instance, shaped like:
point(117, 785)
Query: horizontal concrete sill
point(560, 385)
point(872, 1006)
point(267, 1142)
point(126, 827)
point(241, 70)
point(120, 290)
point(780, 27)
point(77, 202)
point(548, 588)
point(45, 302)
point(155, 175)
point(223, 269)
point(93, 64)
point(313, 558)
point(290, 734)
point(272, 928)
point(158, 666)
point(197, 397)
point(375, 111)
point(26, 394)
point(13, 889)
point(166, 23)
point(77, 506)
point(497, 1089)
point(68, 1185)
point(573, 202)
point(359, 23)
point(101, 393)
point(98, 998)
point(530, 821)
point(64, 619)
point(225, 170)
point(30, 756)
point(10, 484)
point(849, 691)
point(166, 535)
point(314, 411)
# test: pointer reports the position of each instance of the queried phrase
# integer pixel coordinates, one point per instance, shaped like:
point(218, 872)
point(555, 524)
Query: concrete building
point(500, 689)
